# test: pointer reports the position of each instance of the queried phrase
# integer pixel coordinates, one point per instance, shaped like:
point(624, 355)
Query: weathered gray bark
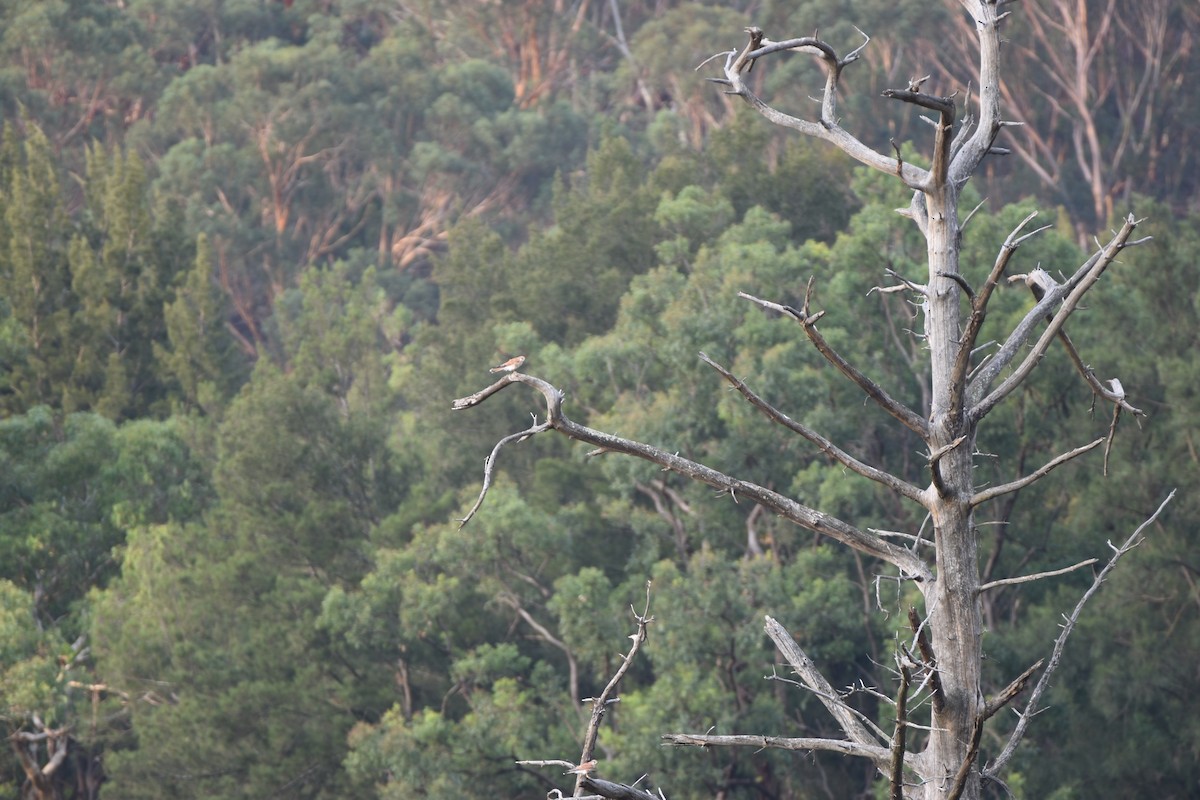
point(946, 649)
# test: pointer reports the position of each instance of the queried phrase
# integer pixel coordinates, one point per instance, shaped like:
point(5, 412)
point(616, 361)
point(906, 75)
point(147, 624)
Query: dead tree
point(965, 384)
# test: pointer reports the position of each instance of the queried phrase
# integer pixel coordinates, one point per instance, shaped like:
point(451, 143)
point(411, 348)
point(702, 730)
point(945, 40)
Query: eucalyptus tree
point(963, 379)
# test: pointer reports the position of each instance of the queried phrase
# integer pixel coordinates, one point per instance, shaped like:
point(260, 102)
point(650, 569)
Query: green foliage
point(199, 356)
point(70, 488)
point(377, 207)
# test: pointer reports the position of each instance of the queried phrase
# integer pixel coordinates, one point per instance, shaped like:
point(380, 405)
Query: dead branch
point(1039, 473)
point(814, 680)
point(600, 703)
point(1023, 717)
point(1073, 291)
point(964, 770)
point(802, 515)
point(896, 769)
point(1114, 395)
point(1012, 690)
point(925, 648)
point(1037, 575)
point(935, 469)
point(873, 752)
point(828, 127)
point(945, 108)
point(489, 465)
point(909, 418)
point(979, 303)
point(616, 791)
point(897, 485)
point(968, 152)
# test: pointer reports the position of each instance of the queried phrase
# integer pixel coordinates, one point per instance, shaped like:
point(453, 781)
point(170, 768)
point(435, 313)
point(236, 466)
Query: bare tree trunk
point(945, 653)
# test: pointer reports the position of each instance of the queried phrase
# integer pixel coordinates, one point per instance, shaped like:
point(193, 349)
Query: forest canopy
point(250, 250)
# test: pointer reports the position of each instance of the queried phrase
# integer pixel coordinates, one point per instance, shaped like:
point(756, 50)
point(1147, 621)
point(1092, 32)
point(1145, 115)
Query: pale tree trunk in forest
point(944, 658)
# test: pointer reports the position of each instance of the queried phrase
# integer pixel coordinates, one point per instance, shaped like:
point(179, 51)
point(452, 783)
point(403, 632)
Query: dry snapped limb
point(1068, 625)
point(1068, 294)
point(909, 565)
point(899, 737)
point(925, 648)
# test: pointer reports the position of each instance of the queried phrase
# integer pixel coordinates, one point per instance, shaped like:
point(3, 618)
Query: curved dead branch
point(909, 565)
point(828, 127)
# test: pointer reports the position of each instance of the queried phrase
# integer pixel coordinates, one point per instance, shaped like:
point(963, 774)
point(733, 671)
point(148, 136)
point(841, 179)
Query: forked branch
point(828, 127)
point(979, 305)
point(1069, 294)
point(811, 677)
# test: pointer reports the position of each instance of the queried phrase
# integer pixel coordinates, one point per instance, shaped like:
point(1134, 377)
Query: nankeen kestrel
point(509, 366)
point(582, 769)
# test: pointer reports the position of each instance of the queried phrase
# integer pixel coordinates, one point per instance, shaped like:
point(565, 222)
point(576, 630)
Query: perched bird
point(582, 769)
point(509, 366)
